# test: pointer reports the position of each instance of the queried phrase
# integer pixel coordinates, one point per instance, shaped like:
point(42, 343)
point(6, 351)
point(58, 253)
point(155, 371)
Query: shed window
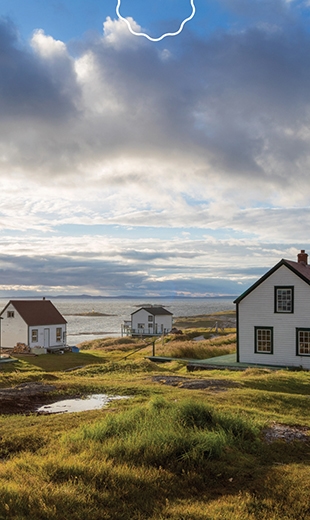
point(284, 299)
point(303, 342)
point(10, 314)
point(34, 335)
point(58, 334)
point(264, 340)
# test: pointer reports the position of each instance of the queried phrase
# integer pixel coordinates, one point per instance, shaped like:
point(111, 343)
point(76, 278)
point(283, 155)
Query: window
point(303, 342)
point(284, 299)
point(264, 340)
point(150, 318)
point(140, 325)
point(34, 335)
point(58, 334)
point(10, 314)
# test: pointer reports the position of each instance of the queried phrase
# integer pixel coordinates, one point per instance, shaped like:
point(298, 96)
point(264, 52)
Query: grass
point(219, 346)
point(165, 454)
point(176, 436)
point(54, 362)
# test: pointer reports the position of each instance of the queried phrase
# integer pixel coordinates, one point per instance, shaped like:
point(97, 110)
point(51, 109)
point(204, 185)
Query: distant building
point(273, 317)
point(149, 321)
point(37, 323)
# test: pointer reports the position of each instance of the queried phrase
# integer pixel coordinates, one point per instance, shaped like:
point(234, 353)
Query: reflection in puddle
point(90, 402)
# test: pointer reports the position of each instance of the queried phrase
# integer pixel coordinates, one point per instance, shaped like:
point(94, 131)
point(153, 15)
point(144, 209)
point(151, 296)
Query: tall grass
point(171, 435)
point(197, 350)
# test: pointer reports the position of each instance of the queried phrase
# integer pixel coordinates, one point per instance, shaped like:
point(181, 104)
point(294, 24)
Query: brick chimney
point(302, 257)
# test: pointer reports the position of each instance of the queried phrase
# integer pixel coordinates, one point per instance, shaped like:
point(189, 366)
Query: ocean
point(83, 328)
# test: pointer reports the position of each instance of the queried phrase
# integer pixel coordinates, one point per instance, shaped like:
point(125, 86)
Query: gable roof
point(156, 311)
point(37, 312)
point(299, 268)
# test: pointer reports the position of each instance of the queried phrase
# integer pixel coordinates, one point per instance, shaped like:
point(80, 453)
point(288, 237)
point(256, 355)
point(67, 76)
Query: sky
point(140, 168)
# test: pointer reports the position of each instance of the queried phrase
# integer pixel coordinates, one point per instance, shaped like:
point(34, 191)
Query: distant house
point(150, 321)
point(273, 317)
point(37, 323)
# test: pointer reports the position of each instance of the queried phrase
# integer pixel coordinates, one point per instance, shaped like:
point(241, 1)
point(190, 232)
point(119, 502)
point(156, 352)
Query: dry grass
point(190, 349)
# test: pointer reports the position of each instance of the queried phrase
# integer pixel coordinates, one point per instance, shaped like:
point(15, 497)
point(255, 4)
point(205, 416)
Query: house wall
point(257, 310)
point(47, 340)
point(161, 323)
point(13, 330)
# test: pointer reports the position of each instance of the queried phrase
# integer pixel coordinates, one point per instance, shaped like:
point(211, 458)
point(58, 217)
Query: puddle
point(90, 402)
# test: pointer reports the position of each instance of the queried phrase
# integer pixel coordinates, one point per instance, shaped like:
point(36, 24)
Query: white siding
point(257, 310)
point(13, 330)
point(41, 342)
point(160, 323)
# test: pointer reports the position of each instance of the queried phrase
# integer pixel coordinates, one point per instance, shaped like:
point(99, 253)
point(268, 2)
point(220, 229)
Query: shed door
point(46, 338)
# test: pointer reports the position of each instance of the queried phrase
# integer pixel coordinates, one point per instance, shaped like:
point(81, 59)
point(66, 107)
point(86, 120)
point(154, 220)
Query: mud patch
point(216, 385)
point(286, 433)
point(24, 398)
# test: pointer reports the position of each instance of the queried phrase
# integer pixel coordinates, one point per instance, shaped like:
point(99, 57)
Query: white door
point(46, 338)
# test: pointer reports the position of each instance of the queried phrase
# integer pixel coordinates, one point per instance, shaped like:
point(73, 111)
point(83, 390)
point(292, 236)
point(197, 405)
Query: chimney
point(302, 257)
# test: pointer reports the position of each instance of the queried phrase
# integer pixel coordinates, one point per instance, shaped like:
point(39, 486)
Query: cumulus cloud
point(235, 106)
point(113, 130)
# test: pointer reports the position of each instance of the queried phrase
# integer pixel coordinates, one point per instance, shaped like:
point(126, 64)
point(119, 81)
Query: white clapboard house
point(36, 323)
point(273, 317)
point(150, 321)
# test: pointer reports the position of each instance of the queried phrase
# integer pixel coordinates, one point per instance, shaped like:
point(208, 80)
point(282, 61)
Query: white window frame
point(303, 342)
point(263, 340)
point(284, 299)
point(34, 335)
point(58, 334)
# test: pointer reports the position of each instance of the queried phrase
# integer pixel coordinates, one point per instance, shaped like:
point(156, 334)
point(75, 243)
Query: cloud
point(105, 132)
point(230, 108)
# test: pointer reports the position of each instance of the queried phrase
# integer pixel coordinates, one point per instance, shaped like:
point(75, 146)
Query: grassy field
point(168, 452)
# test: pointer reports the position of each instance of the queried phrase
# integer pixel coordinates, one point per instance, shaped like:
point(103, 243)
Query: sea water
point(83, 328)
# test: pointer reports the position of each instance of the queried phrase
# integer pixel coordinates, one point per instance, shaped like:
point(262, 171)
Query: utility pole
point(0, 340)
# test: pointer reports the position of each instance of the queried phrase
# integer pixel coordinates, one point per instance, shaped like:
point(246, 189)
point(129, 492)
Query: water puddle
point(90, 402)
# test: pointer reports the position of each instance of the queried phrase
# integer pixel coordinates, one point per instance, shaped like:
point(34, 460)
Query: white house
point(151, 321)
point(37, 323)
point(273, 317)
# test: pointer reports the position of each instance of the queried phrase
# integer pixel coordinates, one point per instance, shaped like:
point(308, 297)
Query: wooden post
point(153, 348)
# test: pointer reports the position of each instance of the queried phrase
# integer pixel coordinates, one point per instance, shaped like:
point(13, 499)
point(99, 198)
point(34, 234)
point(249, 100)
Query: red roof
point(300, 267)
point(37, 312)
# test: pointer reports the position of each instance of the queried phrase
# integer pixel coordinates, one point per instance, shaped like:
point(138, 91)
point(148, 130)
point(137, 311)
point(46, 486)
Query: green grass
point(55, 362)
point(166, 453)
point(176, 436)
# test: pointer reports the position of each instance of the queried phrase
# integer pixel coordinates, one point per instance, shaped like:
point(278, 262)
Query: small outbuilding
point(273, 317)
point(35, 323)
point(151, 321)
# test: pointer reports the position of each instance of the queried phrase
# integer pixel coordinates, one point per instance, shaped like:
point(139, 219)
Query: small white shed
point(37, 323)
point(273, 317)
point(151, 321)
